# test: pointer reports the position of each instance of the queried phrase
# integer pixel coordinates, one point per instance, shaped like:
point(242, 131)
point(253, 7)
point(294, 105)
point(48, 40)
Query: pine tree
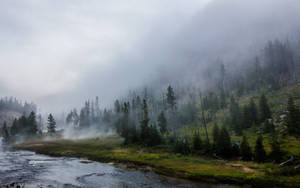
point(144, 122)
point(253, 112)
point(51, 124)
point(293, 118)
point(265, 112)
point(182, 146)
point(117, 106)
point(246, 150)
point(247, 119)
point(125, 123)
point(236, 117)
point(5, 133)
point(14, 130)
point(215, 133)
point(162, 123)
point(268, 126)
point(260, 153)
point(171, 99)
point(276, 153)
point(222, 99)
point(223, 146)
point(33, 129)
point(153, 137)
point(197, 143)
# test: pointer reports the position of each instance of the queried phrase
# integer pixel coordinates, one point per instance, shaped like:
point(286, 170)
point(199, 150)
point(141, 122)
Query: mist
point(59, 54)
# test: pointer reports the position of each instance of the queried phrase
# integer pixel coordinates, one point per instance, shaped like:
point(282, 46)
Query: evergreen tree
point(144, 122)
point(215, 133)
point(33, 129)
point(171, 99)
point(14, 130)
point(222, 99)
point(246, 150)
point(253, 112)
point(236, 117)
point(22, 125)
point(268, 126)
point(247, 119)
point(125, 123)
point(197, 143)
point(5, 133)
point(51, 124)
point(265, 112)
point(293, 118)
point(260, 153)
point(223, 146)
point(133, 134)
point(182, 146)
point(117, 106)
point(162, 123)
point(82, 118)
point(276, 153)
point(154, 137)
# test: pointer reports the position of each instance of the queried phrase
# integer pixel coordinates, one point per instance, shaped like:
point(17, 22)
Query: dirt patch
point(243, 167)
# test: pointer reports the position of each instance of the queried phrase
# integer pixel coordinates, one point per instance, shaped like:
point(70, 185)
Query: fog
point(59, 53)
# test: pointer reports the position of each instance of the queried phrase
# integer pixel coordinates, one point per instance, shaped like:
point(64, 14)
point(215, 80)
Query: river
point(29, 169)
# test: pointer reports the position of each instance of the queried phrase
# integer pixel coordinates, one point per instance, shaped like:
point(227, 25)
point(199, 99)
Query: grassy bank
point(110, 149)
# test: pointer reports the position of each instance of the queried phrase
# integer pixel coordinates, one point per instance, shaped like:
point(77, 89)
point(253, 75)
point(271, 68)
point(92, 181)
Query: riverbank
point(195, 168)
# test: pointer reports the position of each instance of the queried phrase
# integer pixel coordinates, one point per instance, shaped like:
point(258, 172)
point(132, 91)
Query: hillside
point(278, 104)
point(8, 116)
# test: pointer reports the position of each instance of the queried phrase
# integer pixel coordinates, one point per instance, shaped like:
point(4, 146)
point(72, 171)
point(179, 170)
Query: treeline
point(26, 126)
point(12, 104)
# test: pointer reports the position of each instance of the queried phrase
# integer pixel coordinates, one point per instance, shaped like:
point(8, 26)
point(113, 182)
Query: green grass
point(110, 149)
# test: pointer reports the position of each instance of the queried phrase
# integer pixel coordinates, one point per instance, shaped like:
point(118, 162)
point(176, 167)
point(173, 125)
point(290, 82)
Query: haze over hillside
point(59, 54)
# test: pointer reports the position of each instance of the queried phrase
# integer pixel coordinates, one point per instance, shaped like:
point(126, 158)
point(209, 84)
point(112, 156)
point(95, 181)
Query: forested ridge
point(211, 114)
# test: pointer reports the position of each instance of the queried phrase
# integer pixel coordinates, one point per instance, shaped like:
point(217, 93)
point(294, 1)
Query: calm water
point(33, 170)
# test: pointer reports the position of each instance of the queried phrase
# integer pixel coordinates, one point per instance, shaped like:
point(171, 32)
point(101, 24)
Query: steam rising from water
point(72, 133)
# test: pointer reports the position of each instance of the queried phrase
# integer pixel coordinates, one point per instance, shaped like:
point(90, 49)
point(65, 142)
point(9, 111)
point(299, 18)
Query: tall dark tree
point(5, 133)
point(215, 133)
point(245, 150)
point(293, 118)
point(260, 153)
point(268, 126)
point(14, 130)
point(171, 99)
point(145, 120)
point(253, 111)
point(51, 124)
point(276, 153)
point(197, 143)
point(236, 117)
point(204, 118)
point(222, 99)
point(125, 122)
point(162, 123)
point(265, 112)
point(223, 146)
point(32, 123)
point(117, 106)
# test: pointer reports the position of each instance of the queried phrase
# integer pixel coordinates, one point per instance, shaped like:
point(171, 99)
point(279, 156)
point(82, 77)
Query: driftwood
point(287, 162)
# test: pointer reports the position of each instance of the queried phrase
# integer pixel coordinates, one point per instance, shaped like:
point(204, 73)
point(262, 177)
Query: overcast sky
point(57, 53)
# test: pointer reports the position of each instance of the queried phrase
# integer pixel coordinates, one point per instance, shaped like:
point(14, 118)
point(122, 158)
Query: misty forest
point(177, 94)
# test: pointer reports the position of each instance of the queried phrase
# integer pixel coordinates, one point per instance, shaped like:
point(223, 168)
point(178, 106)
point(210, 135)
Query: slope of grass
point(277, 101)
point(110, 149)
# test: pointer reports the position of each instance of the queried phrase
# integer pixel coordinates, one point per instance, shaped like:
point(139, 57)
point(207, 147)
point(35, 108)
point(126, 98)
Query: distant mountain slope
point(11, 108)
point(8, 116)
